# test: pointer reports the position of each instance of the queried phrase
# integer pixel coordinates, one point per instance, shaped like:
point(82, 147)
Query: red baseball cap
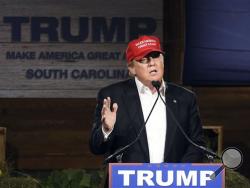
point(139, 48)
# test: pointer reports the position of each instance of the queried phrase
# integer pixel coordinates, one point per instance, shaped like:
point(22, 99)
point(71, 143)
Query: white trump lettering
point(165, 178)
point(204, 177)
point(159, 178)
point(126, 174)
point(145, 175)
point(181, 177)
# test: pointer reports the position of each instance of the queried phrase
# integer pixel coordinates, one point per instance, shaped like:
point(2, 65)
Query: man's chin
point(156, 78)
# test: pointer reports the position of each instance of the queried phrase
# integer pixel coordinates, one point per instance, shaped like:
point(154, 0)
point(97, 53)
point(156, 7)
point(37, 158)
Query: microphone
point(157, 85)
point(118, 153)
point(210, 153)
point(231, 158)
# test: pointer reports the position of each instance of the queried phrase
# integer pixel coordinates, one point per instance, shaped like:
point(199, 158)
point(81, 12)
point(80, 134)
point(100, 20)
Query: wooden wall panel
point(219, 104)
point(230, 107)
point(48, 134)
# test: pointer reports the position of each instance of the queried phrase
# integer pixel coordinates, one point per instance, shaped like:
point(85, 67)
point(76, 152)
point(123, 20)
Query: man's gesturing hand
point(108, 114)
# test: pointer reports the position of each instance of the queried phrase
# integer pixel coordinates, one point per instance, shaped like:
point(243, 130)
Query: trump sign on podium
point(165, 175)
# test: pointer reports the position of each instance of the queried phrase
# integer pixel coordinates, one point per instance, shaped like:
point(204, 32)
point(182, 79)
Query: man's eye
point(144, 60)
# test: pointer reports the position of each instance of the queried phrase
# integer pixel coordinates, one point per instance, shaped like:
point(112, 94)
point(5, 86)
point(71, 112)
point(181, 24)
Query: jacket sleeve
point(97, 143)
point(195, 133)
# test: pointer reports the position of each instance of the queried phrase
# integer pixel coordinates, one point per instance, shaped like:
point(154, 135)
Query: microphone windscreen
point(156, 84)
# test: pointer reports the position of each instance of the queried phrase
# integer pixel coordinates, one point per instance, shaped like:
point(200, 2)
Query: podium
point(165, 175)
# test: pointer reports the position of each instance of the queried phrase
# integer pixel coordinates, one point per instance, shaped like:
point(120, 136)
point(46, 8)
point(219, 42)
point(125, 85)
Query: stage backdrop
point(69, 49)
point(217, 42)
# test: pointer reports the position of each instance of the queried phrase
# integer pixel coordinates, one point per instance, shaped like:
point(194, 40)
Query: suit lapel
point(133, 105)
point(172, 104)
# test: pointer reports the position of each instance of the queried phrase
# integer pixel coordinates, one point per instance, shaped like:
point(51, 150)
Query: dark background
point(217, 48)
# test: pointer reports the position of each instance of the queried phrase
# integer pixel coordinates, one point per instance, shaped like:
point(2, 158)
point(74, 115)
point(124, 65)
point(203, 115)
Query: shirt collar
point(142, 88)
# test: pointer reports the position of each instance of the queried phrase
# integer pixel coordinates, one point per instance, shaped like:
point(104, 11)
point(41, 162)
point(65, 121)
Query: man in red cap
point(124, 107)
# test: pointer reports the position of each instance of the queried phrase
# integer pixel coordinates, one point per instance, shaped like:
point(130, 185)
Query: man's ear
point(131, 69)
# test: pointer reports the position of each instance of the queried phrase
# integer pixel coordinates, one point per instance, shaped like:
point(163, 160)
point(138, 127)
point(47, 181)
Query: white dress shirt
point(156, 126)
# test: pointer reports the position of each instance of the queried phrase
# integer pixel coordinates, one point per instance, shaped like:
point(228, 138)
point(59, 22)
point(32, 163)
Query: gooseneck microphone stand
point(209, 154)
point(119, 152)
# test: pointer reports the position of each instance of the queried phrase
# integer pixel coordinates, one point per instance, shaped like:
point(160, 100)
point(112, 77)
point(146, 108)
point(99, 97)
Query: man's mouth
point(153, 72)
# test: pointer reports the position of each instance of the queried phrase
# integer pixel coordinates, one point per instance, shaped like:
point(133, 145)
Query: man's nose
point(151, 61)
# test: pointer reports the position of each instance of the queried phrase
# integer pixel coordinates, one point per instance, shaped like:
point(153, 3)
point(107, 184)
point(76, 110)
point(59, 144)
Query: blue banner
point(217, 47)
point(165, 175)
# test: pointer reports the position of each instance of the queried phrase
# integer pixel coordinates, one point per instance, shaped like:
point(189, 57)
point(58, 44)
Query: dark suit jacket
point(130, 119)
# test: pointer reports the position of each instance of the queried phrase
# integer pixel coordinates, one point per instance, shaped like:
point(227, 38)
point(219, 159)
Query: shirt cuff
point(106, 134)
